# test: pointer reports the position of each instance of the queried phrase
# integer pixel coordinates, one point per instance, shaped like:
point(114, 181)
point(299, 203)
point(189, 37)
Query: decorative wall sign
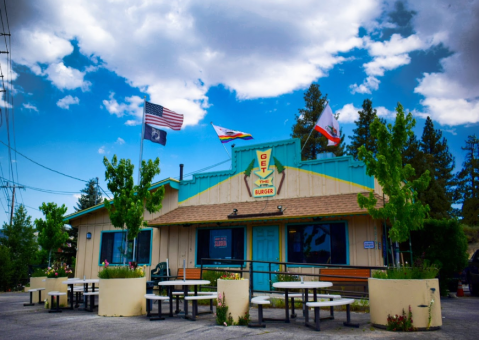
point(264, 183)
point(369, 245)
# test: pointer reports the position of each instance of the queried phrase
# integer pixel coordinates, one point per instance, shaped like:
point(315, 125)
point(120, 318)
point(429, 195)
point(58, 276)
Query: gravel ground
point(460, 321)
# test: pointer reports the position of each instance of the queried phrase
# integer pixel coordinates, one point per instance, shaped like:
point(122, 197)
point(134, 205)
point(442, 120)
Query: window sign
point(369, 245)
point(220, 243)
point(219, 240)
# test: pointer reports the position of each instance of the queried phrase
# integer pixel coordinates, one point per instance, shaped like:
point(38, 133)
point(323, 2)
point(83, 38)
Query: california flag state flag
point(328, 126)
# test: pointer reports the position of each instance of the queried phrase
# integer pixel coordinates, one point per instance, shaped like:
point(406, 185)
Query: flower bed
point(235, 292)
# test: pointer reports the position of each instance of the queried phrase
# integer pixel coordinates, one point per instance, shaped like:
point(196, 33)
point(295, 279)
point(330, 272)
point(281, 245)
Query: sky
point(77, 73)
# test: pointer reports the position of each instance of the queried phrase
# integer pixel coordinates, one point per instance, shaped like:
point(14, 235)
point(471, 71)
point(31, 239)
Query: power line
point(43, 166)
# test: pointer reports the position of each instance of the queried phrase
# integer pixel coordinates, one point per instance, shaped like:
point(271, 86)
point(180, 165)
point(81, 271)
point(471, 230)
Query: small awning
point(293, 208)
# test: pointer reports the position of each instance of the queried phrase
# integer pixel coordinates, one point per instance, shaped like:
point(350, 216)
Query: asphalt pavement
point(460, 321)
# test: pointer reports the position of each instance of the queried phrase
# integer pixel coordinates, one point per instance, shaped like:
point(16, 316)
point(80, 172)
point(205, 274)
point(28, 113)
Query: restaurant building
point(269, 206)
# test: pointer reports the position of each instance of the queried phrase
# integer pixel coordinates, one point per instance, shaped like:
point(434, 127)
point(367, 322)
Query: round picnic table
point(306, 285)
point(185, 284)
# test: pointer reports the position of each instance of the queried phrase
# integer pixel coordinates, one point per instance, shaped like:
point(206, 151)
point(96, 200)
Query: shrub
point(57, 271)
point(121, 272)
point(421, 272)
point(401, 323)
point(212, 276)
point(39, 273)
point(443, 243)
point(472, 233)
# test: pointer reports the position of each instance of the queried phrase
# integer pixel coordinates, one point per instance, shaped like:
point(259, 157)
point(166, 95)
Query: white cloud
point(66, 78)
point(370, 83)
point(130, 108)
point(77, 196)
point(451, 96)
point(348, 113)
point(382, 112)
point(120, 141)
point(175, 51)
point(65, 102)
point(29, 106)
point(101, 150)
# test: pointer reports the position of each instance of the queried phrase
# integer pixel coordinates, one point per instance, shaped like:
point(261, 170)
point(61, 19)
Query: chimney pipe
point(181, 171)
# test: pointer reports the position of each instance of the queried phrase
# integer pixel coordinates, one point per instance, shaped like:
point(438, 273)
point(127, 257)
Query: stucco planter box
point(37, 282)
point(122, 297)
point(56, 285)
point(236, 293)
point(392, 296)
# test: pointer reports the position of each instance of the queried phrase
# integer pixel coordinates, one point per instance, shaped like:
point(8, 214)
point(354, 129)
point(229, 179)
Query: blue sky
point(80, 70)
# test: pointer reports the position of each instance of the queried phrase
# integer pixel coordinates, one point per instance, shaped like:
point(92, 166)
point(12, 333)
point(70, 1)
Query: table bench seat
point(31, 291)
point(57, 294)
point(336, 302)
point(158, 298)
point(260, 301)
point(194, 299)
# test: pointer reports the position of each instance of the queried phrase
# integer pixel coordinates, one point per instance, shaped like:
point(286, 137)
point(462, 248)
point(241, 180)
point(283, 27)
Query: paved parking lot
point(460, 321)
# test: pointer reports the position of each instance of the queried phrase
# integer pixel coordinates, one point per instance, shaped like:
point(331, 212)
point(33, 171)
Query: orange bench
point(191, 273)
point(349, 276)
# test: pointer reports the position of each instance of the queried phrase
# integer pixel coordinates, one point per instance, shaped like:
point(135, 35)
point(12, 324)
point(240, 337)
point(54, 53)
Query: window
point(113, 243)
point(317, 243)
point(220, 244)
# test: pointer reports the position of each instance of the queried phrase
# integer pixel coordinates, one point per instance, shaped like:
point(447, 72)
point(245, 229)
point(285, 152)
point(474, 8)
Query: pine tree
point(440, 163)
point(362, 132)
point(19, 238)
point(305, 122)
point(467, 191)
point(91, 196)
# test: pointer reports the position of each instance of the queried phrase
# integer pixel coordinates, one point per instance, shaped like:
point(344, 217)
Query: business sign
point(220, 241)
point(265, 182)
point(369, 245)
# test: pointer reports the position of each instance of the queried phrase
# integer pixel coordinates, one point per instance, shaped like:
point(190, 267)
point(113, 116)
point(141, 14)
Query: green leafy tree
point(51, 233)
point(305, 122)
point(19, 238)
point(129, 200)
point(6, 268)
point(467, 191)
point(442, 242)
point(90, 196)
point(403, 209)
point(440, 163)
point(362, 132)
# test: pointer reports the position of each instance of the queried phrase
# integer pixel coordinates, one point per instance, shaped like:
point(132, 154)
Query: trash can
point(149, 290)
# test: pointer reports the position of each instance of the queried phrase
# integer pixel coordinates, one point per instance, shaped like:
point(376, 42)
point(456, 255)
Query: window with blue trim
point(224, 243)
point(317, 243)
point(113, 247)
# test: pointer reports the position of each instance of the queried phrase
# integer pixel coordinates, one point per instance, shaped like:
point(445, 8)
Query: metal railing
point(243, 268)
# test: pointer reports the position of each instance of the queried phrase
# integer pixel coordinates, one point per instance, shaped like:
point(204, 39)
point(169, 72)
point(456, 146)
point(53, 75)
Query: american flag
point(161, 116)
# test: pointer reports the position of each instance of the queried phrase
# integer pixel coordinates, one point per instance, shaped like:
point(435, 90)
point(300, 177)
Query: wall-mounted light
point(88, 236)
point(235, 211)
point(280, 207)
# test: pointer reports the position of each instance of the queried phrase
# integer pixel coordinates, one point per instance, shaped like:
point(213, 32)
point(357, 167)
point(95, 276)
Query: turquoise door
point(265, 248)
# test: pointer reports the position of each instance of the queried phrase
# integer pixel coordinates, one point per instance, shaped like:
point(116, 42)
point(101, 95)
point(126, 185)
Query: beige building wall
point(88, 251)
point(297, 183)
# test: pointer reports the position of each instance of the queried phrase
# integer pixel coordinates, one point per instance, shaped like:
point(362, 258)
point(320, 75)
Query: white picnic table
point(185, 284)
point(72, 282)
point(306, 285)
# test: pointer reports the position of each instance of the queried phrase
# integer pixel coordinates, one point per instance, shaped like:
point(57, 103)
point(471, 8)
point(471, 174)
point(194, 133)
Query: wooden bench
point(332, 303)
point(158, 298)
point(190, 273)
point(349, 276)
point(260, 301)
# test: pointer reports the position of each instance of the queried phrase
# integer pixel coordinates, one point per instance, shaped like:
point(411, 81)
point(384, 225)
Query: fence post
point(270, 283)
point(250, 282)
point(241, 267)
point(201, 270)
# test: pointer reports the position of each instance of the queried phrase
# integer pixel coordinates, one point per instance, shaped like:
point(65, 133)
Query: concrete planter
point(56, 285)
point(236, 293)
point(37, 282)
point(122, 297)
point(392, 296)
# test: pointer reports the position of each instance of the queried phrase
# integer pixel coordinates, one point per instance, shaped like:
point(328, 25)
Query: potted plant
point(123, 290)
point(399, 288)
point(54, 282)
point(235, 293)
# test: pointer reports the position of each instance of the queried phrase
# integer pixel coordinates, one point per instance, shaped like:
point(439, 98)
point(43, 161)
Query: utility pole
point(96, 193)
point(13, 198)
